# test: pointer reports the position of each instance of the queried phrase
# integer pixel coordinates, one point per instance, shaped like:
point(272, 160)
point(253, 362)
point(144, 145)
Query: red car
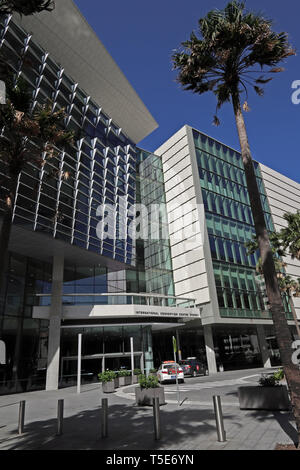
point(191, 366)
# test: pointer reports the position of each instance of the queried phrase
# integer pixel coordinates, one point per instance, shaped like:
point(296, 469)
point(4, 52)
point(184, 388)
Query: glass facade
point(155, 249)
point(230, 226)
point(237, 347)
point(25, 338)
point(103, 347)
point(61, 199)
point(100, 166)
point(190, 342)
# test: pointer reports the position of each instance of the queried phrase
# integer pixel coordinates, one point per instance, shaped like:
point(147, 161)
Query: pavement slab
point(190, 426)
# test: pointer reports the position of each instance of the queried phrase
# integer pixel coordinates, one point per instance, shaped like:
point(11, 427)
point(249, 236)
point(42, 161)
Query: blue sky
point(141, 35)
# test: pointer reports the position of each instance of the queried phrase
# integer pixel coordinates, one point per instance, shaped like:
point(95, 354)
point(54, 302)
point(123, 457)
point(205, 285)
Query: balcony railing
point(158, 300)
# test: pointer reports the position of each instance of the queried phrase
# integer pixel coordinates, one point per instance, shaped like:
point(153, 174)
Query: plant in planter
point(268, 395)
point(279, 374)
point(107, 379)
point(124, 377)
point(268, 381)
point(136, 374)
point(152, 372)
point(149, 389)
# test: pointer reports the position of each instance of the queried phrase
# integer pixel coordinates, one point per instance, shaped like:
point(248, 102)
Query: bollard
point(60, 417)
point(21, 417)
point(219, 418)
point(104, 418)
point(156, 416)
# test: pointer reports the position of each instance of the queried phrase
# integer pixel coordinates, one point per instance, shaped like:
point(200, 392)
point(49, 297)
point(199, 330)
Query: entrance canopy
point(83, 312)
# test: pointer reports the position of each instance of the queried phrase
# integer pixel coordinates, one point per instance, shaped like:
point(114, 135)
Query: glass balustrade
point(44, 300)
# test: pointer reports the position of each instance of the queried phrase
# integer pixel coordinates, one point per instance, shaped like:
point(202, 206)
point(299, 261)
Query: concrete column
point(142, 366)
point(148, 352)
point(178, 346)
point(210, 351)
point(55, 323)
point(263, 346)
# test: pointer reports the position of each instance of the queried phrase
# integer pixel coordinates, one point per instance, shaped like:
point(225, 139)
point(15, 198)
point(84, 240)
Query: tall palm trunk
point(291, 302)
point(282, 331)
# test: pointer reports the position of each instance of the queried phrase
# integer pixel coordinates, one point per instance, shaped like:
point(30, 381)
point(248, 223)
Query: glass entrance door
point(103, 347)
point(91, 366)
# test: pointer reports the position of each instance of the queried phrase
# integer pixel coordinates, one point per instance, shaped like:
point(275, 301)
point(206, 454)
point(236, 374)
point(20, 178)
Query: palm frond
point(226, 50)
point(25, 7)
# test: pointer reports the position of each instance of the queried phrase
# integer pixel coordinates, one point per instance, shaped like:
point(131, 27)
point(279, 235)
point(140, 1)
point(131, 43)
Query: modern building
point(131, 244)
point(74, 263)
point(207, 200)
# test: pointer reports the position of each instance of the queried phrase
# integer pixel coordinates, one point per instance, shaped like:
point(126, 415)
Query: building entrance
point(104, 347)
point(91, 366)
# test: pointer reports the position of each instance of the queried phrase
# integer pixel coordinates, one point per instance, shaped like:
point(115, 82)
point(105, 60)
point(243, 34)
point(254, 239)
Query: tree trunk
point(294, 314)
point(283, 334)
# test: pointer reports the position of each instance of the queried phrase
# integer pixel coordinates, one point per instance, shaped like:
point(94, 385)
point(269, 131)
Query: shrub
point(153, 371)
point(268, 381)
point(107, 376)
point(279, 374)
point(148, 382)
point(123, 373)
point(137, 372)
point(272, 380)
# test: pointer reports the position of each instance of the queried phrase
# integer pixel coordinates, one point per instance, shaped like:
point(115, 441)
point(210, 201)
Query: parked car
point(167, 372)
point(192, 366)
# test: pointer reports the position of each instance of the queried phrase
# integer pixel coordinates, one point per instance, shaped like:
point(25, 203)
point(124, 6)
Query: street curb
point(122, 394)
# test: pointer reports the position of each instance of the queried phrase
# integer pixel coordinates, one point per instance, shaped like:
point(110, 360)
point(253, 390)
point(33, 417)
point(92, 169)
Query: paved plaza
point(190, 426)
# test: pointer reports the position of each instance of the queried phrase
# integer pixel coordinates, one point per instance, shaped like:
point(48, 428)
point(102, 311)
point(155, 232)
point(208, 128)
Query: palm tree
point(25, 7)
point(290, 235)
point(224, 59)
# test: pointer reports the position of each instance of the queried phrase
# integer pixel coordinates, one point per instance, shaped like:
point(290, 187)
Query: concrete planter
point(116, 382)
point(135, 379)
point(108, 387)
point(264, 398)
point(144, 396)
point(123, 381)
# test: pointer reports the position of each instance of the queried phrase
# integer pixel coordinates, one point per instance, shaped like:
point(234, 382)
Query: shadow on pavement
point(129, 427)
point(284, 419)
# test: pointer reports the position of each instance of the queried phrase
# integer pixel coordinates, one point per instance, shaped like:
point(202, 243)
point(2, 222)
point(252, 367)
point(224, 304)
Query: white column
point(210, 351)
point(55, 323)
point(79, 363)
point(263, 346)
point(148, 353)
point(2, 352)
point(132, 356)
point(142, 366)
